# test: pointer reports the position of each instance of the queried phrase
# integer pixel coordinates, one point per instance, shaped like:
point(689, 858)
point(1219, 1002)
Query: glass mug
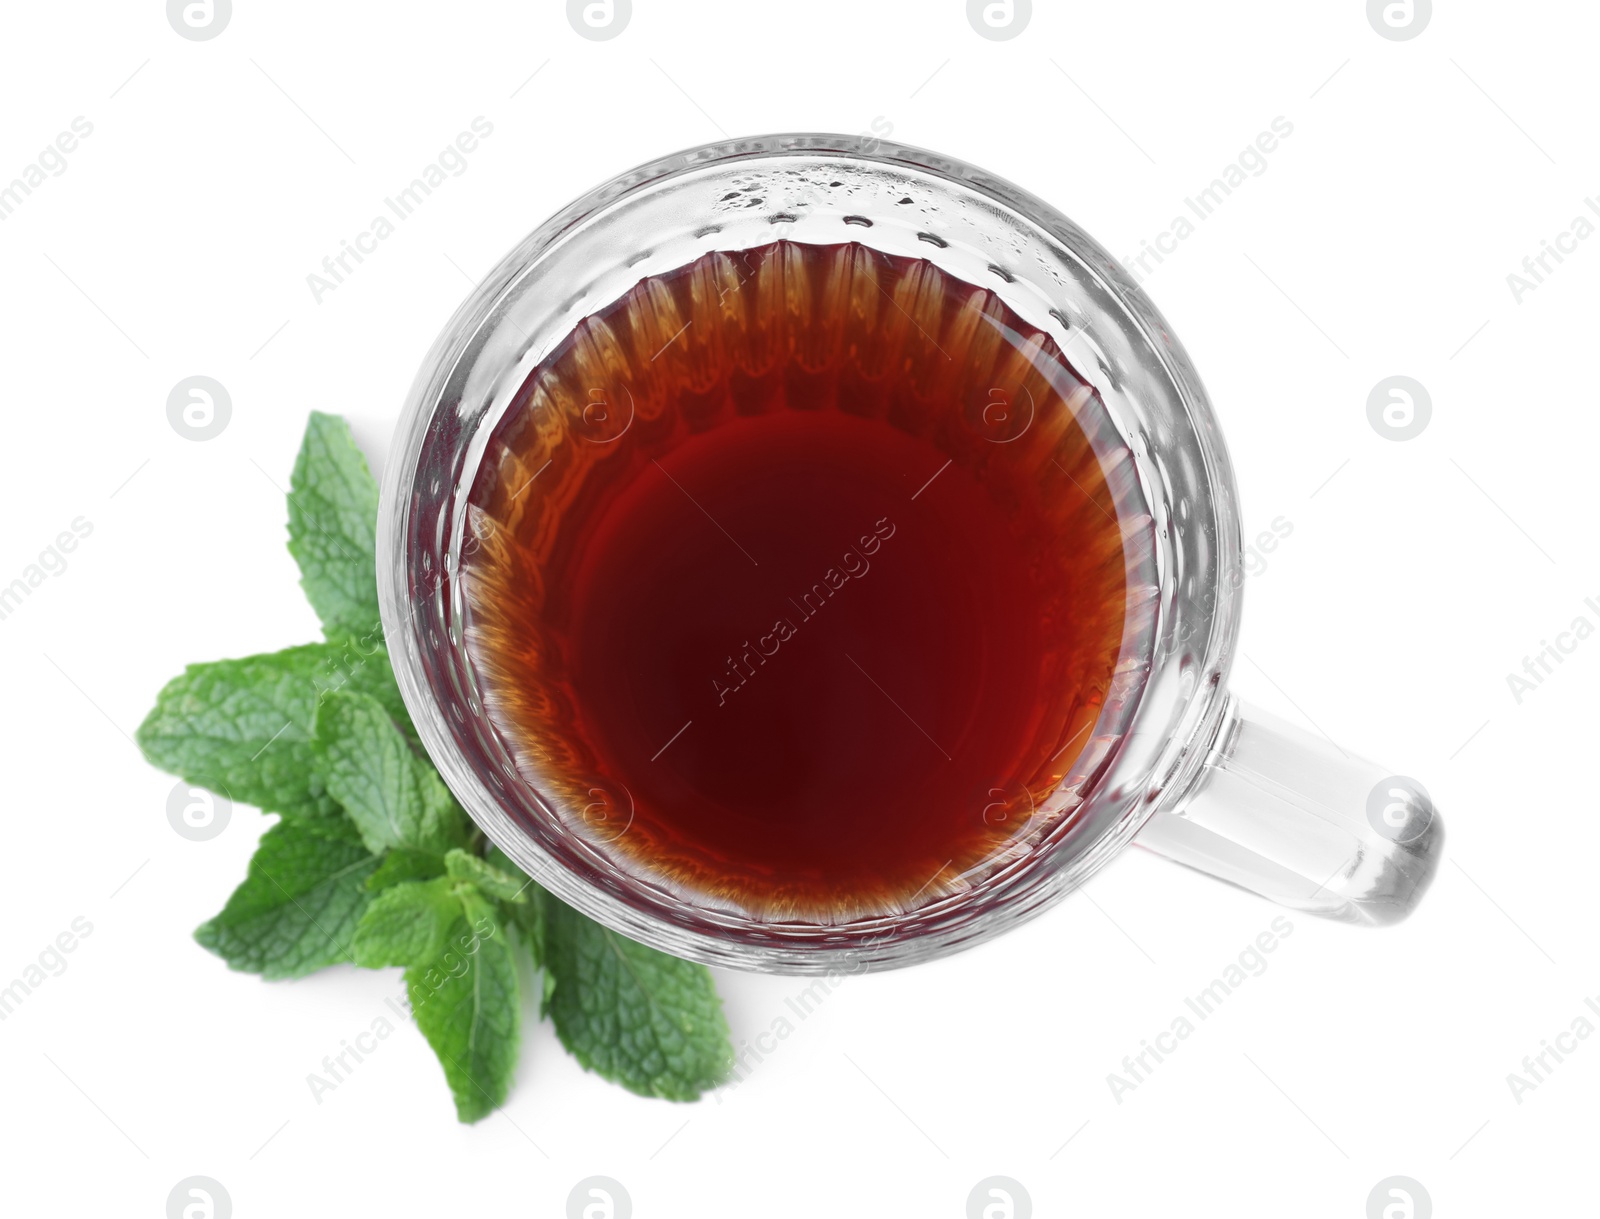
point(1175, 762)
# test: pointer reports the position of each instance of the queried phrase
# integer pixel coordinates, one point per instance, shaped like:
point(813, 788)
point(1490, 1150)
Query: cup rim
point(1198, 605)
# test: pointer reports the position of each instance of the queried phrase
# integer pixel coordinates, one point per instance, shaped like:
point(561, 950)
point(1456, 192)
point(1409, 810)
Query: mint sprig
point(244, 727)
point(373, 861)
point(466, 1002)
point(333, 530)
point(408, 924)
point(302, 902)
point(645, 1020)
point(392, 794)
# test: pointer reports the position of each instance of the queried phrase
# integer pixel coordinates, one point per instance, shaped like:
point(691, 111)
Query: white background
point(1417, 576)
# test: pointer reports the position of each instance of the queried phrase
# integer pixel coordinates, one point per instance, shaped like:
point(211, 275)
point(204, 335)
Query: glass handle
point(1290, 816)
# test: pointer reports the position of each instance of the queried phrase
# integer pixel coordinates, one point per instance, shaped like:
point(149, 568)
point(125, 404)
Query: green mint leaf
point(506, 886)
point(638, 1017)
point(407, 924)
point(300, 903)
point(402, 863)
point(333, 526)
point(394, 796)
point(244, 727)
point(526, 916)
point(467, 1004)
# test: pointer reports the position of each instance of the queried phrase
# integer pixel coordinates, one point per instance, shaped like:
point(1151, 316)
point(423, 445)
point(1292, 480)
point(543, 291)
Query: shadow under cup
point(787, 351)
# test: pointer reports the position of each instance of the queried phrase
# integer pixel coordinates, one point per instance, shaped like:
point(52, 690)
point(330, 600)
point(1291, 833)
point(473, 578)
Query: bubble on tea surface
point(199, 20)
point(599, 1198)
point(197, 814)
point(1399, 1198)
point(999, 1198)
point(999, 20)
point(199, 408)
point(1399, 20)
point(1399, 809)
point(199, 1198)
point(1399, 408)
point(599, 20)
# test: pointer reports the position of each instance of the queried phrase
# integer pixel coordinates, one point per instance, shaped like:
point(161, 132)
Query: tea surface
point(798, 584)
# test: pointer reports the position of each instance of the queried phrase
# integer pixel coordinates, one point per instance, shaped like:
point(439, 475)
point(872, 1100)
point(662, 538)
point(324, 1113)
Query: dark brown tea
point(798, 581)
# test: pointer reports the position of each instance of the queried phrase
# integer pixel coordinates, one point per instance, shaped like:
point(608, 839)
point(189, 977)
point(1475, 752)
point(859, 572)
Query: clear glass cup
point(1176, 763)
